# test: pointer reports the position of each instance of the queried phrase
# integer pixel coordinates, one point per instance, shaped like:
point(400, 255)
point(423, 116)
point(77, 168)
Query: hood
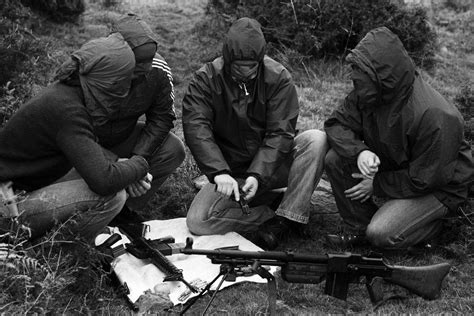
point(143, 41)
point(244, 41)
point(134, 30)
point(105, 68)
point(381, 55)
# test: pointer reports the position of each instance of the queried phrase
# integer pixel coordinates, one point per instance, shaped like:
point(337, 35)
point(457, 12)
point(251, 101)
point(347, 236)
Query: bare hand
point(226, 185)
point(368, 163)
point(140, 187)
point(361, 191)
point(250, 187)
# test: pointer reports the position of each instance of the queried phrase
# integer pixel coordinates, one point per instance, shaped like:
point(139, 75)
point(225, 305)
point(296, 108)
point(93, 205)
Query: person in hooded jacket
point(398, 161)
point(120, 128)
point(239, 117)
point(152, 97)
point(49, 148)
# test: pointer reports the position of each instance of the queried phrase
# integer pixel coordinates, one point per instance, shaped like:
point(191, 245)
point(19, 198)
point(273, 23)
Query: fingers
point(148, 178)
point(357, 192)
point(368, 163)
point(140, 187)
point(235, 189)
point(250, 187)
point(361, 191)
point(226, 185)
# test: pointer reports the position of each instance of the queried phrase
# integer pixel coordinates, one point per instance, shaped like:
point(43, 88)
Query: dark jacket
point(52, 133)
point(153, 97)
point(416, 133)
point(231, 132)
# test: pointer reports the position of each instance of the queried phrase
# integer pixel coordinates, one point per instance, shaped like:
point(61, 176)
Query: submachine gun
point(338, 270)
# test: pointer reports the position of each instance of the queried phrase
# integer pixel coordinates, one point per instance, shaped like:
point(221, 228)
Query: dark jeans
point(164, 162)
point(397, 223)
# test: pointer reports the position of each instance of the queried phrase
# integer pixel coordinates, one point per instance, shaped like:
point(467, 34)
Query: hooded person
point(151, 95)
point(398, 161)
point(48, 148)
point(239, 117)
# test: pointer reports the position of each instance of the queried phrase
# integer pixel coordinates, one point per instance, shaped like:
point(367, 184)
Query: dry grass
point(77, 284)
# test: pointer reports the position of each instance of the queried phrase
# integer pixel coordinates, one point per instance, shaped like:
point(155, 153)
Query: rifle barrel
point(258, 255)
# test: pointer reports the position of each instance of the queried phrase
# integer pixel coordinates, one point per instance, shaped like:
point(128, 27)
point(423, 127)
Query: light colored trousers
point(69, 200)
point(212, 213)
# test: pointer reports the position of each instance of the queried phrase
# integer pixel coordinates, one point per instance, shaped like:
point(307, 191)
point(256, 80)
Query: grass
point(76, 283)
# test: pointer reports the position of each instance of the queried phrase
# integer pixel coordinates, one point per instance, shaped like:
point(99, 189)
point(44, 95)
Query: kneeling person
point(398, 161)
point(239, 117)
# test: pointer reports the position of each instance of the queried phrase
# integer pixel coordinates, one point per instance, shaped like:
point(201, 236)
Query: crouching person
point(398, 161)
point(239, 117)
point(48, 148)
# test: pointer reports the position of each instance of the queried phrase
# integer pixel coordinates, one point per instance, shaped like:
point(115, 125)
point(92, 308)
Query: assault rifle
point(155, 251)
point(339, 270)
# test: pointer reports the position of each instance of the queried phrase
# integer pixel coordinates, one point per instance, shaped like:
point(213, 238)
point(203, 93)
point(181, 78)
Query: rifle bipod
point(230, 272)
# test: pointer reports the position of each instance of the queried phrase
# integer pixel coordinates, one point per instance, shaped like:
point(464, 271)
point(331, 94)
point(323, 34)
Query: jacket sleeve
point(281, 116)
point(198, 127)
point(344, 129)
point(433, 156)
point(97, 166)
point(161, 114)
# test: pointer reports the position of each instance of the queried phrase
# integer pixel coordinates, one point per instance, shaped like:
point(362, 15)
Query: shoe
point(126, 216)
point(273, 231)
point(345, 240)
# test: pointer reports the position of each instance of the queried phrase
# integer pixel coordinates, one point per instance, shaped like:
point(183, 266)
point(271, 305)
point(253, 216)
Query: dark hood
point(134, 30)
point(381, 55)
point(105, 67)
point(244, 41)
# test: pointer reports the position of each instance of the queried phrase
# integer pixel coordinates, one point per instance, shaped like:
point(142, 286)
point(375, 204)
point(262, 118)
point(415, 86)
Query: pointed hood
point(244, 41)
point(381, 55)
point(134, 30)
point(105, 67)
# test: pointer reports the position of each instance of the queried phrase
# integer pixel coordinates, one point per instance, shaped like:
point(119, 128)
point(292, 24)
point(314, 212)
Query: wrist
point(223, 172)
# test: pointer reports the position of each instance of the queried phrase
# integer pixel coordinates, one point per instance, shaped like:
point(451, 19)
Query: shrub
point(58, 10)
point(24, 60)
point(459, 5)
point(331, 27)
point(465, 102)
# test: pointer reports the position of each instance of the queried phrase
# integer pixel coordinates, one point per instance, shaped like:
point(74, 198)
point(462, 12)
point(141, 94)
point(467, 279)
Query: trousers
point(212, 213)
point(70, 203)
point(394, 223)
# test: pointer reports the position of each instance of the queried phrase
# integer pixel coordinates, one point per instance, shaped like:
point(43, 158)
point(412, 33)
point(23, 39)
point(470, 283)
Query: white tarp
point(142, 276)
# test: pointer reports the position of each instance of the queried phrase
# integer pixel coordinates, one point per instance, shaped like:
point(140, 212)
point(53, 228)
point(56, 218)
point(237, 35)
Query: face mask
point(141, 69)
point(244, 71)
point(365, 89)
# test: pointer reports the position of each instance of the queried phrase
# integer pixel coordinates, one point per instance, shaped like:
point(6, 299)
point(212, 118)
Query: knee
point(314, 140)
point(116, 202)
point(196, 224)
point(169, 155)
point(174, 149)
point(178, 151)
point(332, 160)
point(380, 236)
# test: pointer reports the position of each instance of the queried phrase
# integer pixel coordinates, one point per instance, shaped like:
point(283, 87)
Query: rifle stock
point(424, 281)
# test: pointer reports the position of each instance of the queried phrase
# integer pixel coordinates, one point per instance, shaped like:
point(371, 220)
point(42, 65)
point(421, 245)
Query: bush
point(24, 60)
point(465, 101)
point(58, 10)
point(329, 28)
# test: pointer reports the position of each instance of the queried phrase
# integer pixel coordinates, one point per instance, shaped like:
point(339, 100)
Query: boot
point(273, 231)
